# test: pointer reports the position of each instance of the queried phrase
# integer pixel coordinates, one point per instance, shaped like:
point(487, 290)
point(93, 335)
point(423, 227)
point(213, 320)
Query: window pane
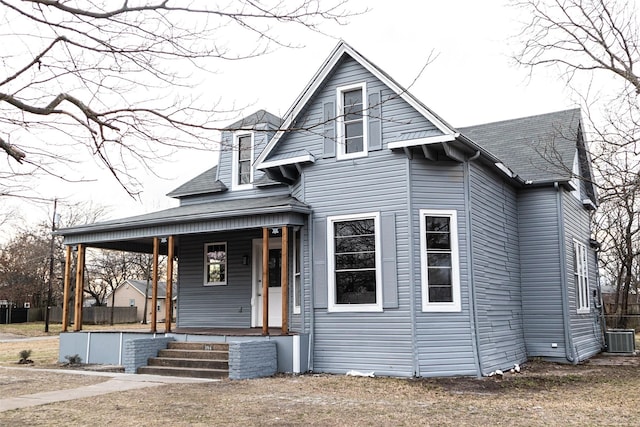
point(356, 287)
point(440, 294)
point(354, 145)
point(438, 223)
point(439, 276)
point(244, 147)
point(352, 98)
point(275, 268)
point(355, 244)
point(352, 130)
point(439, 259)
point(355, 228)
point(438, 241)
point(356, 261)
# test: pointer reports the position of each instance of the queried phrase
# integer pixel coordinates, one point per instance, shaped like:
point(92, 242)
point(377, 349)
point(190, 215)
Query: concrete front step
point(184, 372)
point(188, 363)
point(205, 346)
point(195, 354)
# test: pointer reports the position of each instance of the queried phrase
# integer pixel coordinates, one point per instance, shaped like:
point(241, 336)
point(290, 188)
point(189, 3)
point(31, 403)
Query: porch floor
point(238, 332)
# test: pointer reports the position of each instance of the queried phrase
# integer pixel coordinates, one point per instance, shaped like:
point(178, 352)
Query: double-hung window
point(242, 161)
point(354, 261)
point(439, 261)
point(215, 264)
point(297, 291)
point(352, 122)
point(581, 276)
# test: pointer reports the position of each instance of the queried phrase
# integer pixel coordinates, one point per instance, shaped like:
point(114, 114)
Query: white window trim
point(436, 307)
point(297, 249)
point(340, 149)
point(575, 176)
point(206, 264)
point(332, 307)
point(581, 265)
point(235, 148)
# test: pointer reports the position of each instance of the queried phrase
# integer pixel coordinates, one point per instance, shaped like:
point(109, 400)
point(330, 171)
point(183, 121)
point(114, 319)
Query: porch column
point(154, 283)
point(67, 283)
point(77, 315)
point(285, 280)
point(265, 281)
point(169, 293)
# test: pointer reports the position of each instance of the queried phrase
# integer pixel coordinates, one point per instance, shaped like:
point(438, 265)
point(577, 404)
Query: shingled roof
point(205, 183)
point(538, 148)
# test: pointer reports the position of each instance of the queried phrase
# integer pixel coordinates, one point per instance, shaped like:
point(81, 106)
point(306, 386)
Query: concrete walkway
point(118, 382)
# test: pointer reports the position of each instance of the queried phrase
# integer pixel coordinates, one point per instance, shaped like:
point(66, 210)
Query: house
point(377, 237)
point(132, 293)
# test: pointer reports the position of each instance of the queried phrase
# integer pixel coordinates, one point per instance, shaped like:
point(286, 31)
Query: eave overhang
point(286, 170)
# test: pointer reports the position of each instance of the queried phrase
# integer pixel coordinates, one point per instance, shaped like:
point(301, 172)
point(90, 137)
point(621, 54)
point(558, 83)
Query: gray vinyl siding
point(398, 117)
point(585, 328)
point(496, 275)
point(380, 341)
point(444, 341)
point(215, 306)
point(540, 271)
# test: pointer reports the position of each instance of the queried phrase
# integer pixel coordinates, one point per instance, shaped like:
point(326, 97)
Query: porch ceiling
point(136, 233)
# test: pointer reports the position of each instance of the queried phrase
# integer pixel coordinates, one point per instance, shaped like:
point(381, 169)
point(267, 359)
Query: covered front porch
point(235, 275)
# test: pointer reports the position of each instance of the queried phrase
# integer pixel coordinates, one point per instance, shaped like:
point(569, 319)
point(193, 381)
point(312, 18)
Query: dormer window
point(352, 122)
point(242, 161)
point(575, 176)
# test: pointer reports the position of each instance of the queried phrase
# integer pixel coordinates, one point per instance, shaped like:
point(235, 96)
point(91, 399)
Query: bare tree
point(600, 41)
point(119, 81)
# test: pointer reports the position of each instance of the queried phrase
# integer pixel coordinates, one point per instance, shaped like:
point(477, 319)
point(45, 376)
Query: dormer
point(242, 143)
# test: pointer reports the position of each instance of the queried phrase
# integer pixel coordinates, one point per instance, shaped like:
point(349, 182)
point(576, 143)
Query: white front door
point(275, 284)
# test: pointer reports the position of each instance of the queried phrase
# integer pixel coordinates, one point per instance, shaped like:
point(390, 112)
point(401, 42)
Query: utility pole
point(53, 228)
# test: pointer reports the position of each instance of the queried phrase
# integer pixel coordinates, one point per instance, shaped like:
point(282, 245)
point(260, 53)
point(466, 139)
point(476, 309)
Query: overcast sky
point(473, 80)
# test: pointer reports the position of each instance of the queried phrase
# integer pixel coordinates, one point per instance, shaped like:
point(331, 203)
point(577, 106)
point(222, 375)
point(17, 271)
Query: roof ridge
point(576, 109)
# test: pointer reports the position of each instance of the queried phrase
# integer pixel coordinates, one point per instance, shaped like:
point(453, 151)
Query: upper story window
point(575, 176)
point(215, 264)
point(439, 260)
point(352, 122)
point(354, 259)
point(242, 161)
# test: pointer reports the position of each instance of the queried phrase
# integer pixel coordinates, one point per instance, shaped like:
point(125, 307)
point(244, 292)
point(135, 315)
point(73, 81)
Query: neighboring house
point(414, 249)
point(132, 294)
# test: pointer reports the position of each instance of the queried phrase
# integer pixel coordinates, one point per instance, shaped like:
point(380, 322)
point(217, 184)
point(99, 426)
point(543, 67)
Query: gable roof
point(259, 117)
point(538, 148)
point(323, 74)
point(205, 183)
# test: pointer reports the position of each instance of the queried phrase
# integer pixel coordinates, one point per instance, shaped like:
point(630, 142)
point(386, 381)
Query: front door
point(275, 284)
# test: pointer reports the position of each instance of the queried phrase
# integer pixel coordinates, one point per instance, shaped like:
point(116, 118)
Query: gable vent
point(620, 341)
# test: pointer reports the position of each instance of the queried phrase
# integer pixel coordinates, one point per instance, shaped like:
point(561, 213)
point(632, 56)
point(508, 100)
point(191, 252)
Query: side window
point(351, 122)
point(297, 291)
point(440, 268)
point(354, 263)
point(581, 276)
point(575, 177)
point(215, 264)
point(242, 169)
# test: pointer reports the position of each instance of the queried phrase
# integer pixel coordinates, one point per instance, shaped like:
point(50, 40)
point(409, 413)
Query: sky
point(472, 80)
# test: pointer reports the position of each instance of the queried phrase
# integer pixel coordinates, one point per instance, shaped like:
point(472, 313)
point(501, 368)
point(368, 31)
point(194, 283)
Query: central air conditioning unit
point(620, 340)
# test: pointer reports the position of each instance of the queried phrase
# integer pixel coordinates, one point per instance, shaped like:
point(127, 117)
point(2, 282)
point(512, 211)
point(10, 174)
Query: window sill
point(215, 284)
point(583, 311)
point(355, 308)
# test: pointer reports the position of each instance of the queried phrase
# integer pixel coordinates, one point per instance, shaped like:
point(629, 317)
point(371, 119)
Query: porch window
point(439, 261)
point(242, 161)
point(581, 276)
point(215, 270)
point(354, 262)
point(352, 122)
point(296, 272)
